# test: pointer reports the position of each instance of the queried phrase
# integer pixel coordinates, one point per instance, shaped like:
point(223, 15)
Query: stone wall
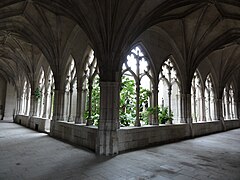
point(2, 96)
point(129, 138)
point(232, 124)
point(36, 123)
point(204, 128)
point(77, 134)
point(10, 103)
point(139, 137)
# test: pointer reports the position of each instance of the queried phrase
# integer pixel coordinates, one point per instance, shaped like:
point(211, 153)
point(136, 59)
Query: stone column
point(226, 101)
point(107, 139)
point(89, 120)
point(57, 109)
point(186, 108)
point(51, 106)
point(235, 110)
point(137, 121)
point(45, 104)
point(78, 119)
point(209, 105)
point(32, 105)
point(154, 121)
point(169, 100)
point(194, 105)
point(219, 113)
point(186, 111)
point(203, 108)
point(83, 105)
point(70, 104)
point(58, 105)
point(26, 107)
point(238, 109)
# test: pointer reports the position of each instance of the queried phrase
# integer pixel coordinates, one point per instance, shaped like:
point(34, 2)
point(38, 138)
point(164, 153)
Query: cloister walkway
point(26, 154)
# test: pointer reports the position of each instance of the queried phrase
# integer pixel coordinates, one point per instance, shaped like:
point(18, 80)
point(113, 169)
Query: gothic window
point(232, 102)
point(169, 91)
point(209, 99)
point(91, 91)
point(40, 90)
point(70, 92)
point(24, 109)
point(229, 106)
point(135, 89)
point(48, 96)
point(196, 98)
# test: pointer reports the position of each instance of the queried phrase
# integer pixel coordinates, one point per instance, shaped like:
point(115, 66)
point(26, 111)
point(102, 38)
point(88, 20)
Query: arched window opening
point(209, 99)
point(51, 88)
point(39, 92)
point(196, 99)
point(135, 89)
point(169, 94)
point(24, 109)
point(70, 93)
point(228, 103)
point(232, 102)
point(91, 91)
point(48, 99)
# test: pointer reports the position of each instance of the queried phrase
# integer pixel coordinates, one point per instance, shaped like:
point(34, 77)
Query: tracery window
point(196, 99)
point(209, 99)
point(91, 90)
point(40, 90)
point(229, 105)
point(135, 94)
point(70, 92)
point(48, 96)
point(169, 91)
point(24, 109)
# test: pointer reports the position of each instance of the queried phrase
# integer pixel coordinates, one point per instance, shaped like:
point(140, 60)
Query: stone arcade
point(56, 56)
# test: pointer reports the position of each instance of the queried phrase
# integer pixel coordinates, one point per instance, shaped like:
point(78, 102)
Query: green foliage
point(150, 111)
point(96, 99)
point(95, 108)
point(128, 102)
point(37, 93)
point(164, 116)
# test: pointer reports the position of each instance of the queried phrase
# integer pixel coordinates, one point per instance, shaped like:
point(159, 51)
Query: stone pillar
point(70, 104)
point(203, 108)
point(57, 109)
point(155, 121)
point(186, 116)
point(169, 100)
point(194, 105)
point(89, 120)
point(45, 104)
point(238, 110)
point(26, 107)
point(58, 105)
point(51, 106)
point(107, 139)
point(137, 121)
point(215, 109)
point(186, 108)
point(219, 113)
point(32, 105)
point(78, 119)
point(83, 105)
point(226, 101)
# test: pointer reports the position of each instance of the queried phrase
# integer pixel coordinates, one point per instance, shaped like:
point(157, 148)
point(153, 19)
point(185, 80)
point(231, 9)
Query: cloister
point(114, 76)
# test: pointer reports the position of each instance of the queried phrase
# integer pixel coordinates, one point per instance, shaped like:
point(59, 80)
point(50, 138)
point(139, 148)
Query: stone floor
point(26, 154)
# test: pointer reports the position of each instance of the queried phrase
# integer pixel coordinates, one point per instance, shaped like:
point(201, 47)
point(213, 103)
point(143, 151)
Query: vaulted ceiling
point(200, 29)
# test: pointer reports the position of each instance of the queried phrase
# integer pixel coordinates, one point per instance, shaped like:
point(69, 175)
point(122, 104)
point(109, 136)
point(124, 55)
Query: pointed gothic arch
point(197, 98)
point(169, 89)
point(209, 94)
point(136, 87)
